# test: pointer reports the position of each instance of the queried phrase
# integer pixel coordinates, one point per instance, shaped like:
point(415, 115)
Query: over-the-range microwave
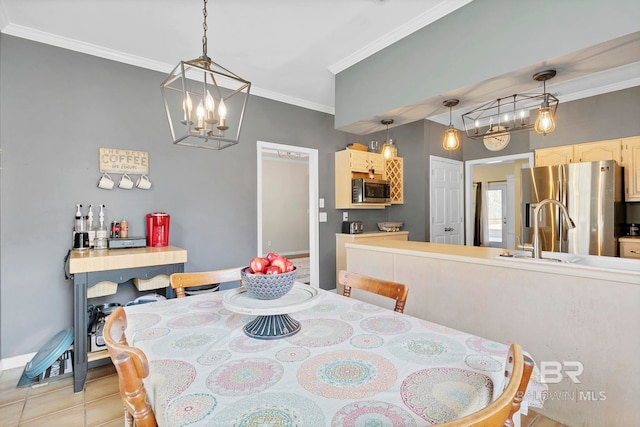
point(370, 191)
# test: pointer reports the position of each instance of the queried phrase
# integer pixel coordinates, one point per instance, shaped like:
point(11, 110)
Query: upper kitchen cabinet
point(554, 155)
point(354, 164)
point(625, 151)
point(363, 161)
point(596, 151)
point(586, 152)
point(631, 164)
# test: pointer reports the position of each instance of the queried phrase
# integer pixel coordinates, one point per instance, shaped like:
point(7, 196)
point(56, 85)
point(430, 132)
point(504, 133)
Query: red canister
point(158, 229)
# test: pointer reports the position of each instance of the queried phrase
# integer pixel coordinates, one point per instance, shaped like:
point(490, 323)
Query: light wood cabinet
point(596, 151)
point(353, 164)
point(394, 170)
point(625, 151)
point(554, 156)
point(342, 239)
point(363, 161)
point(586, 152)
point(629, 247)
point(631, 164)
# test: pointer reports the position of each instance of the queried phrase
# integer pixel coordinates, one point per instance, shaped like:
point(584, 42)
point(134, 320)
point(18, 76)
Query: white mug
point(143, 182)
point(105, 182)
point(125, 182)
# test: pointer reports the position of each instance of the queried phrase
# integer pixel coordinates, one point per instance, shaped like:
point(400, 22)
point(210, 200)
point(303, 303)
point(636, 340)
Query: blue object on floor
point(48, 354)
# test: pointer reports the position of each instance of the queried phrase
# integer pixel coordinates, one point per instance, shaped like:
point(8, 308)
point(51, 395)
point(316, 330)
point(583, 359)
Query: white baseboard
point(15, 361)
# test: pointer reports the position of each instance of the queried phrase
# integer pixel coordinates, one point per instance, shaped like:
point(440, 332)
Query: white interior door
point(445, 195)
point(496, 210)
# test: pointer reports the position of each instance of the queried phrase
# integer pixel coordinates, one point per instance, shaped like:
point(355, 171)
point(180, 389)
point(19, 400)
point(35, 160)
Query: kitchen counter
point(115, 259)
point(607, 268)
point(581, 315)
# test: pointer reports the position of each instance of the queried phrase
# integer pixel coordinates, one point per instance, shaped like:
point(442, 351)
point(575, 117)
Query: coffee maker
point(80, 232)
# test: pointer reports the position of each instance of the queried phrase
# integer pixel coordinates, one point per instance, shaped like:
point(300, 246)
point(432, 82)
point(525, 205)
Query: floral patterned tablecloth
point(352, 364)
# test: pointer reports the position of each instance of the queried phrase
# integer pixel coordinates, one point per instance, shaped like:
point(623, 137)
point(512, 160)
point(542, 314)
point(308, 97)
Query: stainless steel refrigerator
point(593, 194)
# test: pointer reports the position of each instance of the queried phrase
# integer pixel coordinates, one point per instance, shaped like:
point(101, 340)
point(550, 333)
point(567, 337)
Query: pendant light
point(218, 96)
point(451, 140)
point(546, 122)
point(389, 148)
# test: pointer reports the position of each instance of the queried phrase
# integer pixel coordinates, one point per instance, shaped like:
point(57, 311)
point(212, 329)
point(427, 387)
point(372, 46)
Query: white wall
point(285, 205)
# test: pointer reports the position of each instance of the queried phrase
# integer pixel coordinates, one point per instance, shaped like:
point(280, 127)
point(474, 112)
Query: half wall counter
point(580, 314)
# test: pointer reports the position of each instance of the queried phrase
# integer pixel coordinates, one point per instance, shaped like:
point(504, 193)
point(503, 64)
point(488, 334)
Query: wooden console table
point(115, 265)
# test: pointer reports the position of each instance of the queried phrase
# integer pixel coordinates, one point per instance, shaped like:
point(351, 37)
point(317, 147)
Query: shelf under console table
point(89, 268)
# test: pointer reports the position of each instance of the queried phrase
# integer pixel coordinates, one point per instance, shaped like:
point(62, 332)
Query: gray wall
point(57, 108)
point(607, 116)
point(458, 50)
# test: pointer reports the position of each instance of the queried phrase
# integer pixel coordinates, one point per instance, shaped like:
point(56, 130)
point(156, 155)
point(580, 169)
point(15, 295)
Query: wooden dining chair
point(132, 366)
point(393, 290)
point(180, 281)
point(500, 412)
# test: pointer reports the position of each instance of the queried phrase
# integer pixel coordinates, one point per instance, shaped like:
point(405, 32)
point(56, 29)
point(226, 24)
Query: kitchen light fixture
point(451, 141)
point(389, 148)
point(218, 95)
point(545, 123)
point(496, 120)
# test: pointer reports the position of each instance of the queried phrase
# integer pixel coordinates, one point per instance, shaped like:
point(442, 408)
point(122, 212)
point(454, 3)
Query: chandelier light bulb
point(387, 152)
point(200, 113)
point(187, 107)
point(211, 107)
point(451, 141)
point(222, 112)
point(545, 123)
point(389, 148)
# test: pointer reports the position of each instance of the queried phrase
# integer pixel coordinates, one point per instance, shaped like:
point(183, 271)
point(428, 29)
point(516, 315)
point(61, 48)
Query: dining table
point(350, 363)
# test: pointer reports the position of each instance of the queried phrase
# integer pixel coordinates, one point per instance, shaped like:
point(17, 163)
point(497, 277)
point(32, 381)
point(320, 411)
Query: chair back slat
point(393, 290)
point(180, 281)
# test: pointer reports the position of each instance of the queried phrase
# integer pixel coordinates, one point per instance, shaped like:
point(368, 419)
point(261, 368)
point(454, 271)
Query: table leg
point(79, 331)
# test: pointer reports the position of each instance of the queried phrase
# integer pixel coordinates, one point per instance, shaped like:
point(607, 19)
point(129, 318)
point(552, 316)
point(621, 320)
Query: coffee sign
point(124, 161)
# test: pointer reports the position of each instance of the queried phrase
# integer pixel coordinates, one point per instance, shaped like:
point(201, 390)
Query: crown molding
point(420, 21)
point(137, 61)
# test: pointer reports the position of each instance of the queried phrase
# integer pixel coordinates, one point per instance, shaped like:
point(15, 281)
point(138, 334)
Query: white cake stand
point(273, 320)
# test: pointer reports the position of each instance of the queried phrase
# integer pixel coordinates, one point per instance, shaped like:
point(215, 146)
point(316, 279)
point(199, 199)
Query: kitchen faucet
point(537, 250)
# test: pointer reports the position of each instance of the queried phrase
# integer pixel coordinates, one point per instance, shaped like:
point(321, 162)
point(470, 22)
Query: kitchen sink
point(585, 261)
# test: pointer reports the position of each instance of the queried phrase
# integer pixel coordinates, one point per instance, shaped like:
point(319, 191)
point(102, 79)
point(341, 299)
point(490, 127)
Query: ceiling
point(290, 49)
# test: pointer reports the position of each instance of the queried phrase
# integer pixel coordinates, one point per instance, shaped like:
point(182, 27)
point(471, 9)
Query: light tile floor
point(99, 405)
point(55, 404)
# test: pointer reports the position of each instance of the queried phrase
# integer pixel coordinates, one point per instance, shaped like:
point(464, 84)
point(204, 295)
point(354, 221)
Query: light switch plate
point(345, 216)
point(323, 217)
point(321, 203)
